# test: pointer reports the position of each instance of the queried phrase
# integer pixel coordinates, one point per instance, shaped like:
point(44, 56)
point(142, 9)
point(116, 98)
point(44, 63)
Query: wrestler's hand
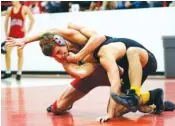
point(103, 118)
point(73, 58)
point(10, 41)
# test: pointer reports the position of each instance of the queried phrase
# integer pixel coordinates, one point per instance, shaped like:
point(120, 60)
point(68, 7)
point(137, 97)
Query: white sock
point(8, 72)
point(19, 72)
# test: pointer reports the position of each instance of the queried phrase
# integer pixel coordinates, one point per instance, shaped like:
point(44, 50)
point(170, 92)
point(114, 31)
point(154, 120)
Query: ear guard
point(59, 40)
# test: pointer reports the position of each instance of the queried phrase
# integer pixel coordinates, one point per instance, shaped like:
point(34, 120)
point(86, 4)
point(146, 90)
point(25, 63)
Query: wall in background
point(146, 26)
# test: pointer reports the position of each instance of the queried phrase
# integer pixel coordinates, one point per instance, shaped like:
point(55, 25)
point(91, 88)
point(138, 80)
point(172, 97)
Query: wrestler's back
point(127, 42)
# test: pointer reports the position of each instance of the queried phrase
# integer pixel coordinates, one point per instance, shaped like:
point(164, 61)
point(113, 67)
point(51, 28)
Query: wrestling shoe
point(49, 109)
point(169, 106)
point(156, 98)
point(18, 77)
point(131, 100)
point(5, 76)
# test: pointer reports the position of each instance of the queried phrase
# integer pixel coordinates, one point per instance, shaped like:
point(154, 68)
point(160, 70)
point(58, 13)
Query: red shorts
point(97, 78)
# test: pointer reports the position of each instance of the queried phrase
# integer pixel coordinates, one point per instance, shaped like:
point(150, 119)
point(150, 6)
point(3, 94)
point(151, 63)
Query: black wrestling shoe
point(156, 98)
point(3, 51)
point(5, 76)
point(131, 100)
point(49, 109)
point(18, 77)
point(169, 106)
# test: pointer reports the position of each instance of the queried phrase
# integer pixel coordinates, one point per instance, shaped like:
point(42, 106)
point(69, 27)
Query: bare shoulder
point(25, 7)
point(9, 10)
point(26, 11)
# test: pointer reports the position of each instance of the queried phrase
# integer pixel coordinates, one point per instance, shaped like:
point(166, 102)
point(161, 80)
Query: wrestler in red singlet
point(16, 29)
point(87, 84)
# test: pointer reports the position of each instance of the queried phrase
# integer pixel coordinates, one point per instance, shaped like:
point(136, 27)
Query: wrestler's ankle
point(136, 88)
point(54, 106)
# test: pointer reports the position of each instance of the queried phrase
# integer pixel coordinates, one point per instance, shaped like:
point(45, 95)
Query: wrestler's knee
point(132, 51)
point(20, 52)
point(8, 51)
point(137, 51)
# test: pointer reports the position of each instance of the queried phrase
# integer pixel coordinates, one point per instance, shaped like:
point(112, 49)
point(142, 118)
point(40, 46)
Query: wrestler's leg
point(78, 89)
point(20, 64)
point(69, 96)
point(151, 97)
point(135, 72)
point(7, 62)
point(144, 107)
point(137, 59)
point(8, 58)
point(121, 110)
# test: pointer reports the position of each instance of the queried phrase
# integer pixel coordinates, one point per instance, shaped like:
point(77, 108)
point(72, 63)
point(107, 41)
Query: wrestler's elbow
point(99, 37)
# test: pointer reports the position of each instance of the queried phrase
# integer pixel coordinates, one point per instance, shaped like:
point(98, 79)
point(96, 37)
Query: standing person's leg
point(20, 64)
point(7, 62)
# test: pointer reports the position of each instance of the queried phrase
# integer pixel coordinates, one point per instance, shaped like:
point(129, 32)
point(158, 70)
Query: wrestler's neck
point(17, 5)
point(72, 47)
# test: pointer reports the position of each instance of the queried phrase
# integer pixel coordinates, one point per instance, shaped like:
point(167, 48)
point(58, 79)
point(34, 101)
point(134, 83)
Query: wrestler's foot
point(169, 106)
point(6, 75)
point(156, 98)
point(18, 77)
point(131, 100)
point(49, 109)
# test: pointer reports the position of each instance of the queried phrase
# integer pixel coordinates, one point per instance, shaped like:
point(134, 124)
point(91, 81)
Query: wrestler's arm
point(79, 71)
point(113, 75)
point(66, 99)
point(95, 39)
point(7, 17)
point(108, 61)
point(31, 18)
point(20, 42)
point(39, 35)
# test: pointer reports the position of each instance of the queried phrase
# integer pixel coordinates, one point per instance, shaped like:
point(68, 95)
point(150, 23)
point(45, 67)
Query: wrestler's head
point(54, 46)
point(14, 3)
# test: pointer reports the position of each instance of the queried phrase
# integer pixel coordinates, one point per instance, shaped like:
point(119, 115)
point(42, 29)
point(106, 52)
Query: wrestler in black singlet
point(149, 68)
